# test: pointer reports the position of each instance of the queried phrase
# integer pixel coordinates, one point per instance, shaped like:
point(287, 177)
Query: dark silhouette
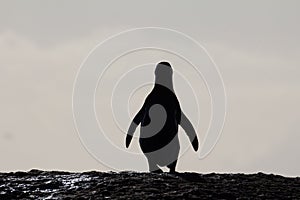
point(160, 116)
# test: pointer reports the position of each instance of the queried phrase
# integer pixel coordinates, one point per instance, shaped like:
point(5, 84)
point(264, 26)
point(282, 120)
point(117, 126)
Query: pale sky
point(255, 44)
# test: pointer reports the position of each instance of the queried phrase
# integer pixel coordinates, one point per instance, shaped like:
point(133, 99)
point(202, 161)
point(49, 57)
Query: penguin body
point(160, 117)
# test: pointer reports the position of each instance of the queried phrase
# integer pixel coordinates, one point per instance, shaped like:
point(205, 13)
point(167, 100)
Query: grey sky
point(255, 44)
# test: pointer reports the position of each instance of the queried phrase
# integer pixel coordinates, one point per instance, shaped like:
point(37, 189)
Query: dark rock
point(37, 184)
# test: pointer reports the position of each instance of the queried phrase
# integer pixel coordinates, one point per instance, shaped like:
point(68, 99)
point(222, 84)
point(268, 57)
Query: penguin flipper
point(128, 140)
point(135, 122)
point(189, 130)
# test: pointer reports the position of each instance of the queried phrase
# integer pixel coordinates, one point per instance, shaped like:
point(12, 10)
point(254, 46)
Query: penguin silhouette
point(160, 117)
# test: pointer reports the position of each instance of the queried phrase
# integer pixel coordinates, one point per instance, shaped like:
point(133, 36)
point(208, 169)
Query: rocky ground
point(37, 184)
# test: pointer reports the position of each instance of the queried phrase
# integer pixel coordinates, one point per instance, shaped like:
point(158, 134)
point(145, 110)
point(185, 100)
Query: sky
point(255, 45)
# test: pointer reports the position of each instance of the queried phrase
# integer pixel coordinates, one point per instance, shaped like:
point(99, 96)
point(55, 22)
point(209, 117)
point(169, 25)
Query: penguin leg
point(172, 166)
point(153, 167)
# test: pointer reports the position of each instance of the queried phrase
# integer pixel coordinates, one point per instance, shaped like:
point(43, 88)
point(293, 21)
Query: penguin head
point(163, 75)
point(163, 69)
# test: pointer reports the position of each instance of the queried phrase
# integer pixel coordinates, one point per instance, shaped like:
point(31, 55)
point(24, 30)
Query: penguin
point(160, 117)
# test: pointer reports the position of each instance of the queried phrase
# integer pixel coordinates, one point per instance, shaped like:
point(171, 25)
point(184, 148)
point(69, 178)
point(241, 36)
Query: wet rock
point(37, 184)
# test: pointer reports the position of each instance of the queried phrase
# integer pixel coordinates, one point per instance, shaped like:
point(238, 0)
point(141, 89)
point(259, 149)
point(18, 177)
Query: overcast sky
point(255, 44)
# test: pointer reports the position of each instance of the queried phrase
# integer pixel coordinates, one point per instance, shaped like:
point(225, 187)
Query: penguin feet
point(157, 171)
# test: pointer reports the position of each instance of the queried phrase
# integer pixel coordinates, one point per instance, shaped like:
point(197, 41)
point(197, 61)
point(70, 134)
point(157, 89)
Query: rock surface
point(37, 184)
